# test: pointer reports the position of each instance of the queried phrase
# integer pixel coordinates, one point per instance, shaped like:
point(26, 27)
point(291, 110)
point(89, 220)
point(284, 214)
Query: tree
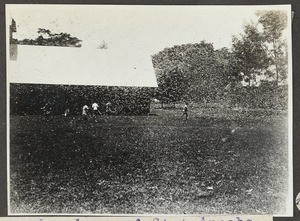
point(274, 22)
point(229, 65)
point(248, 48)
point(46, 38)
point(204, 70)
point(172, 85)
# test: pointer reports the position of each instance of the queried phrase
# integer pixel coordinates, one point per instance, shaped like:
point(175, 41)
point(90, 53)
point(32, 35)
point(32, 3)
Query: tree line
point(255, 63)
point(46, 99)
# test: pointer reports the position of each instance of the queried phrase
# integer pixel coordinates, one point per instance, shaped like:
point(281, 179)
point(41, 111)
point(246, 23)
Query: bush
point(41, 99)
point(260, 97)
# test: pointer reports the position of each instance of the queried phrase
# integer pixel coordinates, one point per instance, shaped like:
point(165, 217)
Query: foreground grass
point(149, 164)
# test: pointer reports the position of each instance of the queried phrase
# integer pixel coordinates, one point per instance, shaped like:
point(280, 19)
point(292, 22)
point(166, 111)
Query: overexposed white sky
point(146, 28)
point(132, 33)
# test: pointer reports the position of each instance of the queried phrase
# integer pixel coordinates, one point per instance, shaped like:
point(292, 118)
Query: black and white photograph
point(131, 109)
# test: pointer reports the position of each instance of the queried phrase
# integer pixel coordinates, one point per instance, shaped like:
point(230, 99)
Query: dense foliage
point(251, 55)
point(38, 99)
point(193, 72)
point(261, 49)
point(255, 66)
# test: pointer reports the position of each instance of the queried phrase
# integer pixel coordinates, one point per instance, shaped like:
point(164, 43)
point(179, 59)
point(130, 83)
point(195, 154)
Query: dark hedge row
point(38, 99)
point(259, 97)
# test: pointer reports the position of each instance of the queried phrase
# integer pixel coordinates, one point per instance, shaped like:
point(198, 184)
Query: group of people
point(95, 109)
point(86, 111)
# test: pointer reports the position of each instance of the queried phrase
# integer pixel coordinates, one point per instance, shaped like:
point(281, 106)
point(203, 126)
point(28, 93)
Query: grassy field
point(150, 164)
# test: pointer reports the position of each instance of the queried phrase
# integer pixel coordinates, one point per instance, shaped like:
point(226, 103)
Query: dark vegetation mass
point(198, 73)
point(255, 66)
point(41, 99)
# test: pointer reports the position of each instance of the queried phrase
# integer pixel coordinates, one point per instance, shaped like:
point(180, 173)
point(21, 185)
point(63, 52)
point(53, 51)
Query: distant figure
point(85, 110)
point(95, 107)
point(108, 109)
point(67, 112)
point(205, 102)
point(46, 109)
point(185, 111)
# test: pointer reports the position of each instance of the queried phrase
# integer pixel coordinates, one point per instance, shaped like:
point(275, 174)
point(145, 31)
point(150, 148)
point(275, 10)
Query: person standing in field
point(95, 107)
point(185, 111)
point(67, 112)
point(108, 109)
point(85, 110)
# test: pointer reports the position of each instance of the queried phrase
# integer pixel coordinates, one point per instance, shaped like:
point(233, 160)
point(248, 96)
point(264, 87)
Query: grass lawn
point(149, 164)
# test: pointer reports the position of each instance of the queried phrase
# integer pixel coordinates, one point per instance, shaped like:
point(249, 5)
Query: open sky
point(149, 28)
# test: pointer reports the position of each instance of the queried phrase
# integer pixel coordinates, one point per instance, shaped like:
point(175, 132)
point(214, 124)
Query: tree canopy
point(46, 38)
point(194, 71)
point(261, 49)
point(248, 49)
point(274, 22)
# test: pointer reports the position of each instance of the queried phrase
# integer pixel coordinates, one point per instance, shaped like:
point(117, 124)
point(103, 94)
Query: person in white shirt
point(85, 110)
point(95, 107)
